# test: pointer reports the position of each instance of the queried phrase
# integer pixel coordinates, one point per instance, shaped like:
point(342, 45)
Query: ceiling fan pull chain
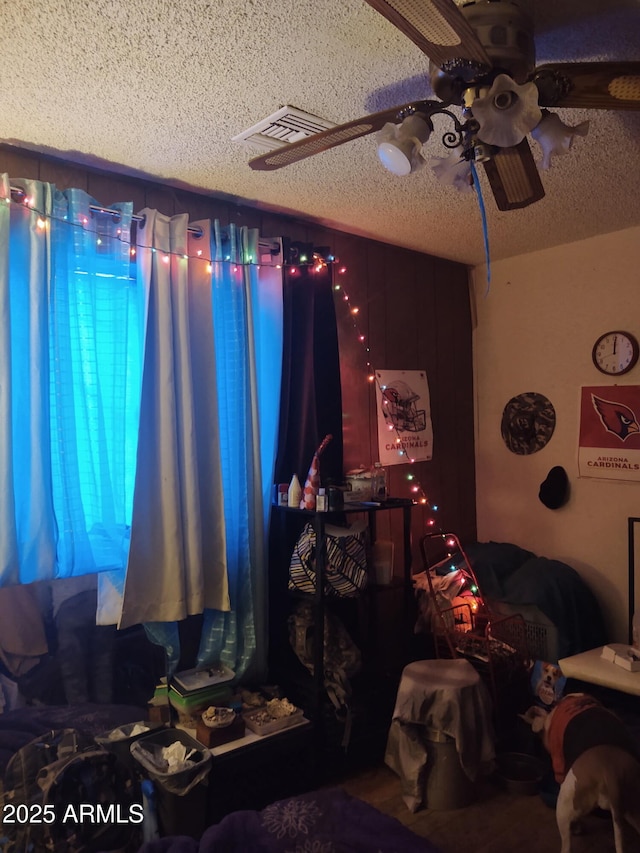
point(483, 216)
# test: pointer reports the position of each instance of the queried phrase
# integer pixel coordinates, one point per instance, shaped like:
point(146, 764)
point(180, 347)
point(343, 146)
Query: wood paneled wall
point(414, 308)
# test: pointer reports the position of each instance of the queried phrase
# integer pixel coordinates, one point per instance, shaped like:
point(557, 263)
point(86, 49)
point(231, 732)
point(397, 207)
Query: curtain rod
point(272, 245)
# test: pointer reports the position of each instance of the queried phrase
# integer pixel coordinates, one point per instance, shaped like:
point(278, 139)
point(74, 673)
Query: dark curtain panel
point(311, 398)
point(311, 407)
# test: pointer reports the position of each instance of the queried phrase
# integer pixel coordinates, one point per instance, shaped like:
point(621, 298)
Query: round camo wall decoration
point(528, 422)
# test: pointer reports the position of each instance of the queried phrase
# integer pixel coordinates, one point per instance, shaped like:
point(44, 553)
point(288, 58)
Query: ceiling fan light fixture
point(400, 145)
point(396, 157)
point(555, 137)
point(507, 113)
point(453, 170)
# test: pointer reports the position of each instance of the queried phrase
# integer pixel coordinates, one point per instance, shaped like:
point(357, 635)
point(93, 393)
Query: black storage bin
point(181, 796)
point(182, 815)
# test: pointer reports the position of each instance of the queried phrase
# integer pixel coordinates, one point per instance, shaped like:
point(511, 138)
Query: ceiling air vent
point(286, 125)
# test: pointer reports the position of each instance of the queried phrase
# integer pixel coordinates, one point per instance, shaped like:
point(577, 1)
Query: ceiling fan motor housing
point(505, 31)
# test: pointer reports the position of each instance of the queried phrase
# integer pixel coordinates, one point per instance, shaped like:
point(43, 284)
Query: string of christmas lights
point(469, 584)
point(315, 261)
point(418, 494)
point(43, 220)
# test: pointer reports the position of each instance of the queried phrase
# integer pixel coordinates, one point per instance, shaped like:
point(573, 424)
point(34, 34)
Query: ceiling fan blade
point(437, 27)
point(514, 178)
point(589, 85)
point(294, 151)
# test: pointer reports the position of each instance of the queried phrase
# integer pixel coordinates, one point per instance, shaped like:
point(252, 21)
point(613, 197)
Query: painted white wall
point(535, 330)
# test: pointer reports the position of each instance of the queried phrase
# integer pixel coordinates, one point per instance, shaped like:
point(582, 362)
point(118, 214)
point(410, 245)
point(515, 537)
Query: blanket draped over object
point(329, 820)
point(511, 574)
point(447, 697)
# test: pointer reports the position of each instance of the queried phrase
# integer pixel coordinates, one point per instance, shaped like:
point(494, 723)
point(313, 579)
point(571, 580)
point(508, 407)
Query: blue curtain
point(70, 379)
point(247, 314)
point(96, 357)
point(83, 333)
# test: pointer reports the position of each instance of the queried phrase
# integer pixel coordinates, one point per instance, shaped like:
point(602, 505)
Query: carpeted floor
point(498, 822)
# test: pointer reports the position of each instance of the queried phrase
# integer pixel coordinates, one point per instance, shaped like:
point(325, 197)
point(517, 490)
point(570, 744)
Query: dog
point(595, 760)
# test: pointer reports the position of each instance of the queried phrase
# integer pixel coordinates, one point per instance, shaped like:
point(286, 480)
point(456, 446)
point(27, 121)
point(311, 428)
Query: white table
point(594, 669)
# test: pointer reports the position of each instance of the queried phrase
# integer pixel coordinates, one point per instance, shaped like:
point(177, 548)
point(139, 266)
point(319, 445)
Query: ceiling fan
point(481, 58)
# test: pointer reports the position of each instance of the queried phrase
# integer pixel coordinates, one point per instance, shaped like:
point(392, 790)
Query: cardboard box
point(622, 655)
point(211, 737)
point(254, 721)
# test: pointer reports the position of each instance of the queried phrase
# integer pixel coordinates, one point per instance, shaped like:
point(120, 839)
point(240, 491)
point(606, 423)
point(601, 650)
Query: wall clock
point(615, 353)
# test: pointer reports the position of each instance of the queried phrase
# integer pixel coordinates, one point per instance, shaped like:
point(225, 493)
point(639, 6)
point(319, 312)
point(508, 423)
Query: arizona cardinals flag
point(610, 433)
point(405, 432)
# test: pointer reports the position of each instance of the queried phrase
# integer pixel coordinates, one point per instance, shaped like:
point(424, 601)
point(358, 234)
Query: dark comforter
point(508, 573)
point(330, 821)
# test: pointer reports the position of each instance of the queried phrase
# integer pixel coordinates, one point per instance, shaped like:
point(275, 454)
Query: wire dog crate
point(463, 625)
point(541, 633)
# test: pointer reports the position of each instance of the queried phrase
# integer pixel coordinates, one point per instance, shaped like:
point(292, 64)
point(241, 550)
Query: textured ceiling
point(159, 87)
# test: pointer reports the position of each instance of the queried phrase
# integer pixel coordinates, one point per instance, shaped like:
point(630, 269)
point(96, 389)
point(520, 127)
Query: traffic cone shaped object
point(312, 483)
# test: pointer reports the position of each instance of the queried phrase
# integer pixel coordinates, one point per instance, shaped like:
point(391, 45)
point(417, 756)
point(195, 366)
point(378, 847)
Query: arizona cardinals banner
point(610, 433)
point(404, 416)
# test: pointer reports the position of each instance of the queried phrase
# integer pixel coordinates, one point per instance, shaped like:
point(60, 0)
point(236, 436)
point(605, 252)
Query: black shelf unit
point(318, 599)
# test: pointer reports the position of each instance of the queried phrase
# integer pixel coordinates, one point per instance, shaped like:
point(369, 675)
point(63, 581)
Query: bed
point(324, 821)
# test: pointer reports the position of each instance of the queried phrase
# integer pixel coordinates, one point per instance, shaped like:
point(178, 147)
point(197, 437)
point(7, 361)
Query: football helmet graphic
point(399, 407)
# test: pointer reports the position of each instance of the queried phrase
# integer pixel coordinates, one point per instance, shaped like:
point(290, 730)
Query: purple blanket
point(330, 821)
